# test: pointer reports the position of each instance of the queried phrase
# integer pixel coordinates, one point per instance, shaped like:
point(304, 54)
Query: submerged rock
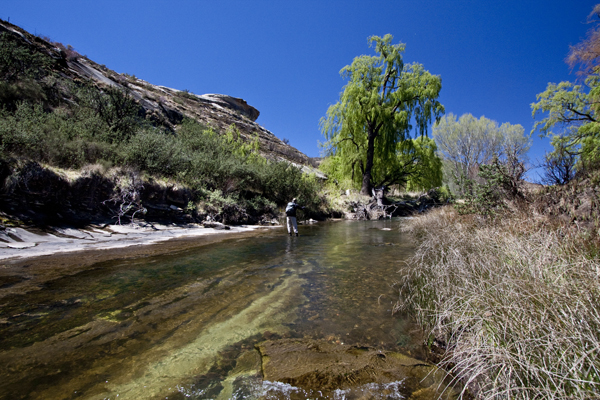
point(322, 366)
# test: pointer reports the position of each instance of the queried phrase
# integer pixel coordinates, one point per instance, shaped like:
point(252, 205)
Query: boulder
point(325, 367)
point(215, 225)
point(233, 103)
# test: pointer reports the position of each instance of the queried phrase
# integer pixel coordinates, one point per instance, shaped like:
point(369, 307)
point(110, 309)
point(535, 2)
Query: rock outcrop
point(238, 105)
point(577, 202)
point(318, 366)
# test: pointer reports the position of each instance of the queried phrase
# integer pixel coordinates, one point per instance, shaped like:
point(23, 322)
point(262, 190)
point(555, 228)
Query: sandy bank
point(22, 243)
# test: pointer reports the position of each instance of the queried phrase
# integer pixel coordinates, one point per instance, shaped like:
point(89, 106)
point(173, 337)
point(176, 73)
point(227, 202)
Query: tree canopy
point(416, 166)
point(377, 109)
point(571, 111)
point(467, 143)
point(426, 165)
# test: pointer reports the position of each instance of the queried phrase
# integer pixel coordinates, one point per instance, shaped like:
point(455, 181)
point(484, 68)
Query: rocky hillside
point(166, 106)
point(576, 203)
point(81, 144)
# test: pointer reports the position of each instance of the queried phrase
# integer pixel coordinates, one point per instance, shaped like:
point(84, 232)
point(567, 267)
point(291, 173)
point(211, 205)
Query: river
point(182, 325)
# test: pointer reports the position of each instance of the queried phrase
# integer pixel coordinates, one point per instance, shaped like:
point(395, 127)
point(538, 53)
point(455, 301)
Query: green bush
point(155, 152)
point(28, 133)
point(116, 108)
point(78, 153)
point(196, 156)
point(282, 181)
point(500, 182)
point(62, 139)
point(12, 93)
point(21, 71)
point(204, 160)
point(261, 205)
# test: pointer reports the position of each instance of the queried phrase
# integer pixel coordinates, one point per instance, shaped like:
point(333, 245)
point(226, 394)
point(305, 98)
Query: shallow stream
point(184, 324)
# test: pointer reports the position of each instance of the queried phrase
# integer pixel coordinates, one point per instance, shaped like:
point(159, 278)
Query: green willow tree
point(416, 166)
point(427, 166)
point(377, 108)
point(572, 118)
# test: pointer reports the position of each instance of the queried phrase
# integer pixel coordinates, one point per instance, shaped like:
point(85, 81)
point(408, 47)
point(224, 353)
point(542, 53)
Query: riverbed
point(184, 320)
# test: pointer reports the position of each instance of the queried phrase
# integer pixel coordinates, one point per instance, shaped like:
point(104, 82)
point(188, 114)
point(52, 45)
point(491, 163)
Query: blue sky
point(284, 57)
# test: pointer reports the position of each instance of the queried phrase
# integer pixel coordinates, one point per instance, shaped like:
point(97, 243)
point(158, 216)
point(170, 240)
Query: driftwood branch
point(126, 196)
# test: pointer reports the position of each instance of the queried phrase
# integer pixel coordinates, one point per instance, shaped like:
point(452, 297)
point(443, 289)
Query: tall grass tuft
point(514, 302)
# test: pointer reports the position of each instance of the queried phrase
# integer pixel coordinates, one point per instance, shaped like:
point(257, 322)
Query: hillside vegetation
point(80, 143)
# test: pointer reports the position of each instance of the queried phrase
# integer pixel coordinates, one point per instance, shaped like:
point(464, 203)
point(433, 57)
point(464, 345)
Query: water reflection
point(180, 325)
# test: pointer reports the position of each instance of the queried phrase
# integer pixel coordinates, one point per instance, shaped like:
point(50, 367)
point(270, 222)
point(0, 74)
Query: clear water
point(184, 325)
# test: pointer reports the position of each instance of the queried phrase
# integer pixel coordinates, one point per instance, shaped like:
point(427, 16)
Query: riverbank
point(510, 303)
point(30, 257)
point(28, 242)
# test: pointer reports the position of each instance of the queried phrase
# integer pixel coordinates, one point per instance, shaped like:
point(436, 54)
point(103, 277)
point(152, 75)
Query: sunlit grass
point(514, 303)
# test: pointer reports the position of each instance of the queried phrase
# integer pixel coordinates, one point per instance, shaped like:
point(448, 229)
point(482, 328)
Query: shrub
point(18, 61)
point(26, 132)
point(68, 52)
point(499, 182)
point(116, 108)
point(185, 94)
point(13, 93)
point(126, 197)
point(281, 181)
point(61, 139)
point(260, 205)
point(22, 68)
point(156, 152)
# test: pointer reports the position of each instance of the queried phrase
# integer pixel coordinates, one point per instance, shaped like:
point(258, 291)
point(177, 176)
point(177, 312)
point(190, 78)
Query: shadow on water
point(184, 325)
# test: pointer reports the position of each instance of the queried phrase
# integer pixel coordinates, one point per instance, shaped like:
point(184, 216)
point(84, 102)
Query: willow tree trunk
point(366, 183)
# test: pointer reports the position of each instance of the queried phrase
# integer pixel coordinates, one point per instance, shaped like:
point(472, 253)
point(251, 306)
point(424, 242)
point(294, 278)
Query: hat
point(294, 199)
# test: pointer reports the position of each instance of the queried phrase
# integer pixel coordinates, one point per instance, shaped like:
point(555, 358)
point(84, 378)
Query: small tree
point(377, 108)
point(117, 108)
point(126, 195)
point(559, 166)
point(498, 182)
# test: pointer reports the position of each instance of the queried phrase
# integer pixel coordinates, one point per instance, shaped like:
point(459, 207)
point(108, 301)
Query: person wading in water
point(290, 211)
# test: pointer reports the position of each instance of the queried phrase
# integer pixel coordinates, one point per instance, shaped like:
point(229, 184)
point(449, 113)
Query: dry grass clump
point(514, 302)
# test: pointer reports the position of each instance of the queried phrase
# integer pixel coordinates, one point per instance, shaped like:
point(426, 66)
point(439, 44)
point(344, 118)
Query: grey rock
point(233, 103)
point(215, 225)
